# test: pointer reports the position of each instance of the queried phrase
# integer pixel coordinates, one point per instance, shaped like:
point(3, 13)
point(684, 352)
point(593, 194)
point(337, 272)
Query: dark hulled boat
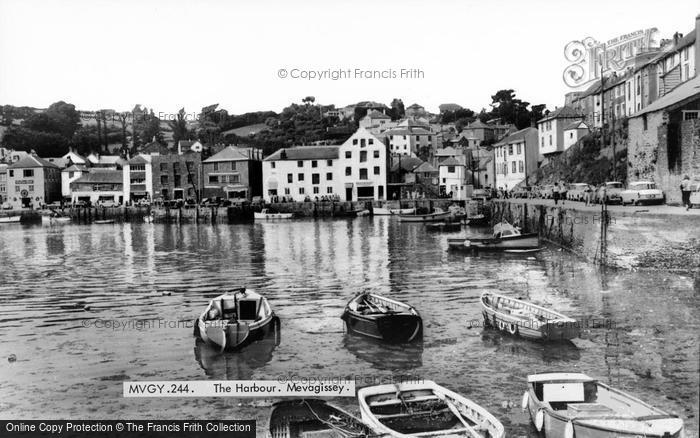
point(313, 418)
point(382, 318)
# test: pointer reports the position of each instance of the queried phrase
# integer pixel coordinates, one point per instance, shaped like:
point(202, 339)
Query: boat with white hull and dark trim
point(573, 405)
point(382, 318)
point(235, 319)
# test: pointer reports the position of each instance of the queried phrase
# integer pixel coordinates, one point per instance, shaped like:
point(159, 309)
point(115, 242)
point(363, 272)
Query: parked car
point(521, 192)
point(695, 194)
point(108, 203)
point(642, 192)
point(173, 203)
point(6, 206)
point(143, 202)
point(481, 193)
point(577, 192)
point(612, 193)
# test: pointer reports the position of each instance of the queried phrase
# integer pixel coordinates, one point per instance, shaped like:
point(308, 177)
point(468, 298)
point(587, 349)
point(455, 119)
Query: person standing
point(588, 194)
point(555, 193)
point(685, 192)
point(562, 192)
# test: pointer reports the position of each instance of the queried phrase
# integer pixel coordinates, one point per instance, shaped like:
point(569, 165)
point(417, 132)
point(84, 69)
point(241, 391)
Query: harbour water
point(77, 305)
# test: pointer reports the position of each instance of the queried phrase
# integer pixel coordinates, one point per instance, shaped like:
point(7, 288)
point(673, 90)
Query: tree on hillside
point(509, 109)
point(59, 118)
point(179, 127)
point(308, 100)
point(397, 110)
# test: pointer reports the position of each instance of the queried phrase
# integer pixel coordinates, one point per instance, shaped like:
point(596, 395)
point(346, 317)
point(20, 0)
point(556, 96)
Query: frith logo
point(590, 58)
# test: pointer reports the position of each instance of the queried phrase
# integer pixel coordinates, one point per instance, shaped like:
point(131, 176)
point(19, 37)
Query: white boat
point(425, 409)
point(437, 216)
point(267, 214)
point(505, 237)
point(520, 318)
point(381, 211)
point(10, 219)
point(572, 405)
point(235, 319)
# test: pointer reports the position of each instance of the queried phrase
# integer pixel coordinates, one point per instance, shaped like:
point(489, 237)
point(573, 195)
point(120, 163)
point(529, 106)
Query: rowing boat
point(267, 214)
point(234, 319)
point(436, 216)
point(381, 211)
point(425, 409)
point(10, 219)
point(572, 405)
point(443, 226)
point(504, 237)
point(382, 318)
point(306, 418)
point(525, 319)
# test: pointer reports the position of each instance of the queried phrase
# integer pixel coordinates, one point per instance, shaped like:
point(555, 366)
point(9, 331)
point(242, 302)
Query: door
point(348, 194)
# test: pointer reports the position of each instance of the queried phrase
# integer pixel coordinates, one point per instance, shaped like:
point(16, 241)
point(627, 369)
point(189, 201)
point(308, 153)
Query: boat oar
point(457, 414)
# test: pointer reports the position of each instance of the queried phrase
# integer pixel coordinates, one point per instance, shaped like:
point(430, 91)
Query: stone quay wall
point(627, 240)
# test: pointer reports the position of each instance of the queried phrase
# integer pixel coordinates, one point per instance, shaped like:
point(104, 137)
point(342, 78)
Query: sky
point(172, 54)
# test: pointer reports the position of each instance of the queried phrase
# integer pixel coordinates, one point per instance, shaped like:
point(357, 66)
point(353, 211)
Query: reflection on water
point(59, 285)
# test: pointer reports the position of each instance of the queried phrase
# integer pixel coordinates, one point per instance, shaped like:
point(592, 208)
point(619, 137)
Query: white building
point(551, 129)
point(453, 177)
point(362, 167)
point(375, 120)
point(573, 132)
point(409, 137)
point(515, 158)
point(354, 171)
point(137, 179)
point(97, 186)
point(70, 174)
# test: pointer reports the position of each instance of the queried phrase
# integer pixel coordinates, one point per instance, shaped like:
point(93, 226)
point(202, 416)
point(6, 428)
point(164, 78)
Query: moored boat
point(307, 418)
point(235, 319)
point(104, 221)
point(382, 211)
point(505, 237)
point(436, 216)
point(54, 218)
point(266, 213)
point(525, 319)
point(477, 220)
point(10, 219)
point(425, 409)
point(575, 405)
point(382, 318)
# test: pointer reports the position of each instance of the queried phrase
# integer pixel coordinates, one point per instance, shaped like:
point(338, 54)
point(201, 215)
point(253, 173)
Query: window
point(363, 156)
point(329, 176)
point(363, 143)
point(272, 164)
point(348, 171)
point(510, 149)
point(430, 138)
point(520, 148)
point(71, 174)
point(164, 180)
point(550, 140)
point(31, 188)
point(363, 174)
point(644, 122)
point(234, 179)
point(348, 154)
point(300, 177)
point(315, 178)
point(329, 189)
point(287, 191)
point(290, 178)
point(164, 167)
point(690, 115)
point(571, 135)
point(233, 165)
point(376, 154)
point(450, 169)
point(176, 167)
point(376, 170)
point(300, 163)
point(301, 190)
point(370, 141)
point(28, 173)
point(542, 142)
point(329, 162)
point(315, 190)
point(314, 163)
point(354, 142)
point(521, 166)
point(213, 179)
point(514, 168)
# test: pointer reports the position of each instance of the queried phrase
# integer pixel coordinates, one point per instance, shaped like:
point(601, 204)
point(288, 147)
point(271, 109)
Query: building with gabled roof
point(515, 158)
point(33, 182)
point(233, 173)
point(97, 186)
point(551, 129)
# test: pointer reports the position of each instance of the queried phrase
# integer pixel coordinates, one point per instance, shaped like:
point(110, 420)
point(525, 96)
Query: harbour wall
point(619, 239)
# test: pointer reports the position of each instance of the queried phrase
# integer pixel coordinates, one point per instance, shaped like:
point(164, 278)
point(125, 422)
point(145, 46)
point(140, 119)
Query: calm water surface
point(308, 270)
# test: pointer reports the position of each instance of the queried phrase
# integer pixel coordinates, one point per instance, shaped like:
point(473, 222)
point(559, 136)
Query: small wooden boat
point(104, 221)
point(525, 319)
point(505, 236)
point(364, 212)
point(382, 318)
point(10, 219)
point(235, 319)
point(443, 226)
point(308, 418)
point(380, 211)
point(436, 216)
point(425, 409)
point(266, 213)
point(574, 405)
point(54, 218)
